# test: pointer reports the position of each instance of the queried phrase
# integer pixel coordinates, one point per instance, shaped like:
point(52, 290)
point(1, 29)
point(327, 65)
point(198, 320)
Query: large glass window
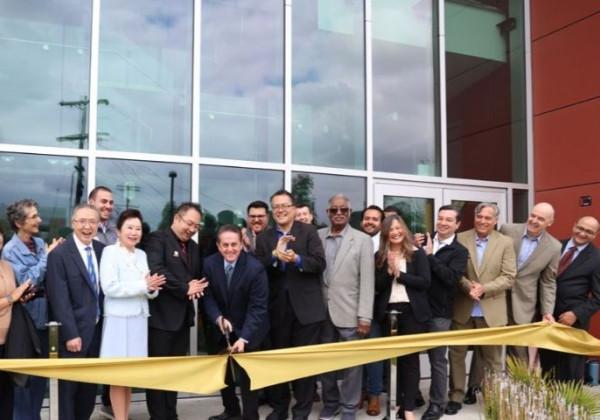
point(328, 106)
point(404, 117)
point(241, 93)
point(485, 89)
point(316, 190)
point(57, 183)
point(151, 187)
point(44, 72)
point(225, 192)
point(145, 76)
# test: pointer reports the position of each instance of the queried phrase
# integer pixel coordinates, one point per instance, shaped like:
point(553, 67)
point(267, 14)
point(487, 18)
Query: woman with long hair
point(402, 278)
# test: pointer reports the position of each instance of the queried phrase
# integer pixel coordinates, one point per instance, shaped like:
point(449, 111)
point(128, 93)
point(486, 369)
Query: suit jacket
point(578, 287)
point(172, 310)
point(244, 303)
point(496, 273)
point(302, 284)
point(448, 265)
point(536, 279)
point(72, 298)
point(417, 280)
point(350, 288)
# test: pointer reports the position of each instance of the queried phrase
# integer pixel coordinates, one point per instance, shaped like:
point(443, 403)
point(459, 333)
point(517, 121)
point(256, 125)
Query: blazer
point(578, 287)
point(301, 283)
point(72, 298)
point(244, 303)
point(123, 281)
point(172, 310)
point(349, 290)
point(534, 290)
point(448, 265)
point(417, 280)
point(496, 273)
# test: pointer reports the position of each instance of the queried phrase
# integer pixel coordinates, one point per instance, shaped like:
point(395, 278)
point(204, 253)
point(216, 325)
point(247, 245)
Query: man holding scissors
point(236, 301)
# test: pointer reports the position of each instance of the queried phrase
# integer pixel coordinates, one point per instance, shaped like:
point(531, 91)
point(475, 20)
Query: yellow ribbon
point(205, 374)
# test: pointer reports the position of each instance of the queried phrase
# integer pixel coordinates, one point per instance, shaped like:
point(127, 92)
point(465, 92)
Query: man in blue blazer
point(577, 295)
point(75, 300)
point(236, 301)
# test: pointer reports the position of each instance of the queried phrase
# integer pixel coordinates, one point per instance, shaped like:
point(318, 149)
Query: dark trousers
point(562, 366)
point(287, 331)
point(77, 399)
point(249, 398)
point(408, 373)
point(162, 405)
point(6, 392)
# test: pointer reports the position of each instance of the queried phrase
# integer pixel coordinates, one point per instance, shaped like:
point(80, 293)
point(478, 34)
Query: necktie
point(92, 276)
point(90, 267)
point(228, 273)
point(566, 260)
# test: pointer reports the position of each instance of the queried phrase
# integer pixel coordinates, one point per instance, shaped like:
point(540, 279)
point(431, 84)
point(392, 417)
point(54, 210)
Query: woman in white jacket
point(127, 286)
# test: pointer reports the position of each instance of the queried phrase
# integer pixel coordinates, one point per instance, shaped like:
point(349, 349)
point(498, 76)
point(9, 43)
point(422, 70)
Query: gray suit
point(536, 278)
point(348, 290)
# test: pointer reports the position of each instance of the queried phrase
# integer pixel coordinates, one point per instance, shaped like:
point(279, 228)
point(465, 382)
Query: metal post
point(53, 328)
point(391, 402)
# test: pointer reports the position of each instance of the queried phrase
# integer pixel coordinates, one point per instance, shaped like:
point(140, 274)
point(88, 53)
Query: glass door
point(418, 203)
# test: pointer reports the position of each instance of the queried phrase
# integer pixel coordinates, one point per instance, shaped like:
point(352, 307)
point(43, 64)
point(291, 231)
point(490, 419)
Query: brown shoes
point(373, 408)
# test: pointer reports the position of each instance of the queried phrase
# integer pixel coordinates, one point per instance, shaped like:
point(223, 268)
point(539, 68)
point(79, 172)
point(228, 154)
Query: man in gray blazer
point(348, 289)
point(534, 291)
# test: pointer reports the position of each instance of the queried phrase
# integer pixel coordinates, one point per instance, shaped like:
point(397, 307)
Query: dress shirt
point(480, 246)
point(375, 240)
point(107, 233)
point(528, 245)
point(437, 244)
point(332, 246)
point(83, 253)
point(398, 293)
point(577, 250)
point(298, 261)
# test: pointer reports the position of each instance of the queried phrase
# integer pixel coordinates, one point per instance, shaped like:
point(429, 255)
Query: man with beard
point(257, 220)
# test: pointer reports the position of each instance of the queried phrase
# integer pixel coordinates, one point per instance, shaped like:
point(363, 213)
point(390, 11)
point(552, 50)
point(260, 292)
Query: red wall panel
point(551, 15)
point(567, 146)
point(566, 66)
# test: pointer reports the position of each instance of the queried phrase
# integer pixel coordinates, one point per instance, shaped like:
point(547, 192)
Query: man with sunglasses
point(173, 253)
point(348, 288)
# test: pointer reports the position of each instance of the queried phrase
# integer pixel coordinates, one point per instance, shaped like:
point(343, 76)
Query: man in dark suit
point(448, 262)
point(173, 253)
point(75, 299)
point(577, 295)
point(293, 255)
point(236, 301)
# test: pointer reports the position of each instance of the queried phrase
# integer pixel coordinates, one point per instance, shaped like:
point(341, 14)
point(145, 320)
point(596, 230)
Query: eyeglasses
point(282, 206)
point(581, 229)
point(190, 224)
point(83, 222)
point(336, 210)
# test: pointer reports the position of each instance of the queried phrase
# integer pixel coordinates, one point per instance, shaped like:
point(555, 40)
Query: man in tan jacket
point(481, 299)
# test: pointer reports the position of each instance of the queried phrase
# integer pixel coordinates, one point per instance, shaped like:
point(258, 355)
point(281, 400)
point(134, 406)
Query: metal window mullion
point(196, 79)
point(93, 94)
point(529, 103)
point(287, 93)
point(369, 99)
point(442, 86)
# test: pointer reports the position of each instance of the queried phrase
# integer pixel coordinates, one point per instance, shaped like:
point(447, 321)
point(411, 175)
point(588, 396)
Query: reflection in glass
point(520, 206)
point(418, 213)
point(317, 189)
point(225, 192)
point(485, 89)
point(328, 107)
point(241, 91)
point(404, 130)
point(57, 183)
point(44, 72)
point(145, 74)
point(151, 187)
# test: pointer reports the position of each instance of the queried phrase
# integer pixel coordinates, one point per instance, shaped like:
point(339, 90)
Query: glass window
point(57, 183)
point(328, 106)
point(241, 92)
point(44, 72)
point(485, 90)
point(417, 213)
point(404, 88)
point(520, 206)
point(317, 189)
point(145, 76)
point(151, 187)
point(225, 192)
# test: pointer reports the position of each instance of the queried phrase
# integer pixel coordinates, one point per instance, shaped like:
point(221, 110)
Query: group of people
point(284, 285)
